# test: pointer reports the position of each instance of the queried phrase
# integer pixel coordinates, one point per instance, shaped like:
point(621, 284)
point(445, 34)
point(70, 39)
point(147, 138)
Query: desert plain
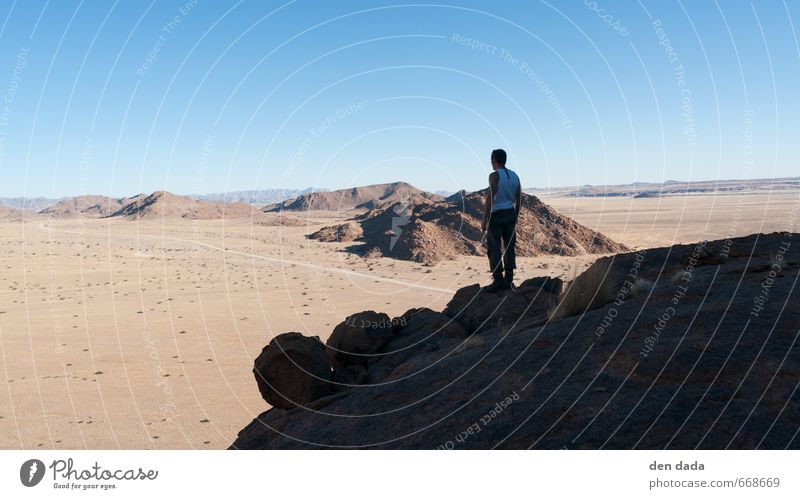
point(141, 334)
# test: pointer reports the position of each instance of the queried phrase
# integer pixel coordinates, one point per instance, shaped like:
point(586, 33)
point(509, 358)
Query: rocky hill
point(428, 231)
point(91, 206)
point(364, 197)
point(162, 204)
point(679, 347)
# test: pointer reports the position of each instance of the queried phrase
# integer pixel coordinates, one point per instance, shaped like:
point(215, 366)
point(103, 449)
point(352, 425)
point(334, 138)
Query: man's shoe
point(498, 284)
point(509, 279)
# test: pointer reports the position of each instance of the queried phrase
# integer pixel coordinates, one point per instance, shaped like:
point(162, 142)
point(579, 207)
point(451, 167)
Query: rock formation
point(292, 370)
point(679, 347)
point(342, 233)
point(428, 231)
point(364, 197)
point(358, 338)
point(162, 204)
point(87, 206)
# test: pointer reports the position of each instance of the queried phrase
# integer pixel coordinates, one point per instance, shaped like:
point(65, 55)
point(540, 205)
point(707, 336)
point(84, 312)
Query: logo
point(402, 212)
point(31, 472)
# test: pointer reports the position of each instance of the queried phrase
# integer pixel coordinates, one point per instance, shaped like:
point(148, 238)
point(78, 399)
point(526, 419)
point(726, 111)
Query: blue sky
point(195, 96)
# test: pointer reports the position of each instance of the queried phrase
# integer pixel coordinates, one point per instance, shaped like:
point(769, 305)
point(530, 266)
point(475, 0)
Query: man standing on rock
point(503, 203)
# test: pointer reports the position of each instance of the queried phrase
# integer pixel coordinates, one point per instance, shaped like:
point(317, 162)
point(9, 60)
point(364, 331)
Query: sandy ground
point(655, 222)
point(142, 334)
point(124, 334)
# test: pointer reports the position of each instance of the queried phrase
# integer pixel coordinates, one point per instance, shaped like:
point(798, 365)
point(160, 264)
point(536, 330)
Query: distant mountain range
point(255, 197)
point(370, 196)
point(672, 187)
point(29, 204)
point(259, 197)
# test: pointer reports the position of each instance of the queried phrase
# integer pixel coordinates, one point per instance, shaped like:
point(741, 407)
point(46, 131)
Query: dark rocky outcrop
point(342, 233)
point(358, 338)
point(293, 370)
point(687, 346)
point(420, 330)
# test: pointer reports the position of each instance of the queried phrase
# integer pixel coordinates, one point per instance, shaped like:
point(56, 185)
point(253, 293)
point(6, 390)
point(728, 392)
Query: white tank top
point(507, 185)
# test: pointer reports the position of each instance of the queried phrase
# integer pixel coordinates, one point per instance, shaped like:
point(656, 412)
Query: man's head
point(498, 159)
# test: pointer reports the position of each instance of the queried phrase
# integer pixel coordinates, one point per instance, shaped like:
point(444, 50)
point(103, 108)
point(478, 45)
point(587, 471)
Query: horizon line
point(326, 189)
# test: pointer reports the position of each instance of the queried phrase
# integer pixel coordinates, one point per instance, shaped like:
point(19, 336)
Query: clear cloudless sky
point(198, 96)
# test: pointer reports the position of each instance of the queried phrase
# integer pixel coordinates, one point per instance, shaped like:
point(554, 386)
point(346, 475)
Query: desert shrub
point(592, 289)
point(471, 342)
point(641, 287)
point(679, 275)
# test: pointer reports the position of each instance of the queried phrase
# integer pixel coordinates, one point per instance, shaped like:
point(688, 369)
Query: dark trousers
point(502, 229)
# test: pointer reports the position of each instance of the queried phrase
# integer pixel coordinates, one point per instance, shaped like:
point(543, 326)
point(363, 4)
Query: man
point(503, 203)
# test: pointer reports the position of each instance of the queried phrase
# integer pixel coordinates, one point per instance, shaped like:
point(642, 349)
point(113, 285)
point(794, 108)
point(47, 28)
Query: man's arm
point(487, 207)
point(519, 199)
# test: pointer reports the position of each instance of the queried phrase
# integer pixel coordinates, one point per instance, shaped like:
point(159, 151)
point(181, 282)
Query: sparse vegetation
point(473, 341)
point(589, 290)
point(679, 274)
point(641, 287)
point(776, 262)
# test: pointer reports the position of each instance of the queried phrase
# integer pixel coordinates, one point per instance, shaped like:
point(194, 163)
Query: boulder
point(352, 374)
point(341, 233)
point(535, 285)
point(293, 370)
point(358, 338)
point(477, 310)
point(433, 323)
point(420, 330)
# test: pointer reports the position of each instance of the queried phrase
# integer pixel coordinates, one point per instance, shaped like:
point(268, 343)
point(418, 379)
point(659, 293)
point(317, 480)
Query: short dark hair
point(499, 155)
